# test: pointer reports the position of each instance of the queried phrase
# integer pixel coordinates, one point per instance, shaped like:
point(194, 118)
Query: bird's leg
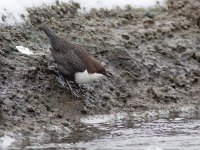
point(81, 90)
point(61, 80)
point(59, 77)
point(71, 90)
point(65, 83)
point(73, 84)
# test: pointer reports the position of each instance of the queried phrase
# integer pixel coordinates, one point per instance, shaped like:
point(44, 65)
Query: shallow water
point(121, 132)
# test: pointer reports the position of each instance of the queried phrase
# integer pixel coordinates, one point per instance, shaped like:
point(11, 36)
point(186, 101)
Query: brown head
point(101, 69)
point(93, 65)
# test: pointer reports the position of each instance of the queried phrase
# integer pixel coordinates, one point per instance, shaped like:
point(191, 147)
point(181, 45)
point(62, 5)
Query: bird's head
point(102, 70)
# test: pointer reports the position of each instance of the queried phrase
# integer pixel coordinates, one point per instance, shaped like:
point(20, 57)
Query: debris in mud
point(24, 50)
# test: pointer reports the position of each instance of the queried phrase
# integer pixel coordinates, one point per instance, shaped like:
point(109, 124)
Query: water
point(123, 132)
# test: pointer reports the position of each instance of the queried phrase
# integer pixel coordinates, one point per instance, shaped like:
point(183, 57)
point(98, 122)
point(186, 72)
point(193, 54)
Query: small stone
point(12, 67)
point(196, 56)
point(194, 80)
point(65, 123)
point(104, 105)
point(180, 49)
point(84, 112)
point(125, 37)
point(30, 109)
point(196, 72)
point(149, 15)
point(48, 108)
point(105, 97)
point(59, 116)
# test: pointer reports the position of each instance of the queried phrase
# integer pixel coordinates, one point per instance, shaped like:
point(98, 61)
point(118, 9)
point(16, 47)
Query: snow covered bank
point(109, 4)
point(12, 12)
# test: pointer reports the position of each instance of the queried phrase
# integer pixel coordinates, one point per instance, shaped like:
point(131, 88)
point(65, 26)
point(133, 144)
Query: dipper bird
point(74, 63)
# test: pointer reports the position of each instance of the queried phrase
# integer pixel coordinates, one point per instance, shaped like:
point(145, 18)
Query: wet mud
point(153, 55)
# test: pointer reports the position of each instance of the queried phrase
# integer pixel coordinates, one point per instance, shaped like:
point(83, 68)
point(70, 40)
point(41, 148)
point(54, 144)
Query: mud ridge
point(154, 56)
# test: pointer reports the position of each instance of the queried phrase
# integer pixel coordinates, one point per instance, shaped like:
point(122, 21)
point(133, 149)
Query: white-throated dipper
point(74, 63)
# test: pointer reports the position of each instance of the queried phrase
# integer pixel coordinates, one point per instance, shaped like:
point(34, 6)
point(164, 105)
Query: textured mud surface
point(154, 57)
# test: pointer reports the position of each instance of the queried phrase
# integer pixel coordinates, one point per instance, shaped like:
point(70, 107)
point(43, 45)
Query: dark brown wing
point(68, 62)
point(90, 62)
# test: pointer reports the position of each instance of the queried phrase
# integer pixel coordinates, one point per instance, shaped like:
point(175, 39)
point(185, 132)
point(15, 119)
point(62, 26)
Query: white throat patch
point(85, 77)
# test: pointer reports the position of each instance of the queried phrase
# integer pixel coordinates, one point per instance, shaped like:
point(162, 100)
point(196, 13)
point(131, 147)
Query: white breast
point(85, 77)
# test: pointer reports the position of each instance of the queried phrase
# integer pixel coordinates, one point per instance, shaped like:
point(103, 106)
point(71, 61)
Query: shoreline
point(154, 56)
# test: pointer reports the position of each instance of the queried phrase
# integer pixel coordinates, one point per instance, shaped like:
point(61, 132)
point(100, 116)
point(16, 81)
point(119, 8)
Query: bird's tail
point(49, 32)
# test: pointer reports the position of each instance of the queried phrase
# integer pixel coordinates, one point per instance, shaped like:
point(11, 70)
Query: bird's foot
point(82, 90)
point(71, 90)
point(61, 80)
point(70, 85)
point(75, 94)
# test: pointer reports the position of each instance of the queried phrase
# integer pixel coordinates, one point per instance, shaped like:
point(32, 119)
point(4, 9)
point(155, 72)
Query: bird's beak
point(108, 74)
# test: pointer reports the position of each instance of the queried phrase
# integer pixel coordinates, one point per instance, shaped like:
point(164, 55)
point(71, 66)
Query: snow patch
point(109, 4)
point(24, 50)
point(11, 11)
point(14, 11)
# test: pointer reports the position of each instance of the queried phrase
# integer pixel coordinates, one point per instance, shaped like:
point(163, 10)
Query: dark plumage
point(71, 58)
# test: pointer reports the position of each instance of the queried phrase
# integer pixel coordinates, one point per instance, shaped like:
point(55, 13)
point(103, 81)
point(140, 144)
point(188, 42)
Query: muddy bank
point(154, 57)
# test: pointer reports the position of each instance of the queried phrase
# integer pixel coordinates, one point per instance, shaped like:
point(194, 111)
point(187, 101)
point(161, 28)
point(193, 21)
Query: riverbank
point(153, 56)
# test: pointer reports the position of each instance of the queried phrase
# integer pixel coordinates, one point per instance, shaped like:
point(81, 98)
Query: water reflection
point(137, 131)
